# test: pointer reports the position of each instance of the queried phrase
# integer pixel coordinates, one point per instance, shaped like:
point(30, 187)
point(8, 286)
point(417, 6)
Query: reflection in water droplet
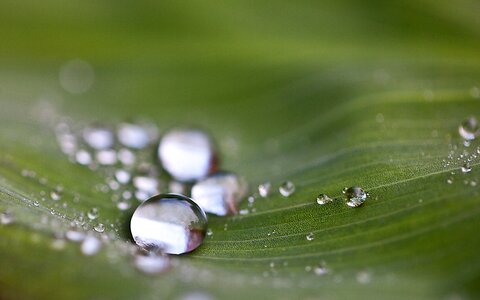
point(265, 189)
point(171, 222)
point(310, 236)
point(287, 188)
point(187, 154)
point(324, 199)
point(469, 129)
point(151, 262)
point(133, 136)
point(98, 137)
point(90, 245)
point(466, 168)
point(7, 217)
point(99, 228)
point(356, 196)
point(220, 193)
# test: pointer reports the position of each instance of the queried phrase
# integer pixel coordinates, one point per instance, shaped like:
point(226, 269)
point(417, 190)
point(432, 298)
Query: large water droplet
point(469, 129)
point(171, 222)
point(187, 154)
point(151, 262)
point(133, 136)
point(98, 137)
point(323, 199)
point(220, 193)
point(265, 189)
point(287, 188)
point(356, 196)
point(90, 245)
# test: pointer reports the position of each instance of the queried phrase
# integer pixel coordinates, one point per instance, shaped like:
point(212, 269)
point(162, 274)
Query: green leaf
point(327, 95)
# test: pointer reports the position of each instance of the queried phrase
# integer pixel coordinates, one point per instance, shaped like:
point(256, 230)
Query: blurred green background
point(326, 93)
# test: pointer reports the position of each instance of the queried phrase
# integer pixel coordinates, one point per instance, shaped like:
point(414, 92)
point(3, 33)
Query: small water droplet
point(209, 232)
point(364, 277)
point(466, 168)
point(151, 262)
point(265, 189)
point(321, 270)
point(310, 236)
point(55, 196)
point(171, 222)
point(469, 129)
point(356, 196)
point(106, 157)
point(36, 204)
point(323, 199)
point(123, 205)
point(93, 213)
point(126, 157)
point(133, 136)
point(450, 180)
point(287, 188)
point(147, 185)
point(90, 245)
point(58, 243)
point(7, 217)
point(99, 228)
point(83, 157)
point(220, 193)
point(187, 154)
point(75, 235)
point(98, 137)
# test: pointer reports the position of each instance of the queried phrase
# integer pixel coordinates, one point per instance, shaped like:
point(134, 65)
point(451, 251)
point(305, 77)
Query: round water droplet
point(466, 168)
point(147, 185)
point(55, 196)
point(82, 157)
point(7, 217)
point(126, 157)
point(187, 154)
point(98, 137)
point(106, 157)
point(171, 222)
point(265, 189)
point(151, 262)
point(122, 176)
point(209, 232)
point(93, 213)
point(469, 129)
point(356, 196)
point(324, 199)
point(123, 205)
point(36, 204)
point(321, 270)
point(90, 245)
point(220, 193)
point(310, 236)
point(99, 228)
point(133, 136)
point(287, 189)
point(75, 235)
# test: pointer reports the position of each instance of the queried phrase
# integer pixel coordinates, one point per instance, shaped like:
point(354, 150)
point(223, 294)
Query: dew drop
point(133, 136)
point(466, 168)
point(265, 189)
point(171, 222)
point(123, 205)
point(323, 199)
point(469, 129)
point(93, 213)
point(106, 157)
point(310, 236)
point(90, 245)
point(287, 188)
point(220, 193)
point(98, 137)
point(363, 277)
point(187, 154)
point(55, 196)
point(321, 270)
point(126, 157)
point(209, 232)
point(75, 235)
point(356, 196)
point(83, 157)
point(450, 180)
point(7, 218)
point(147, 185)
point(151, 262)
point(36, 204)
point(99, 228)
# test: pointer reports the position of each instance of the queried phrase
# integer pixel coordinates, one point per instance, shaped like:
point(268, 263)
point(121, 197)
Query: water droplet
point(356, 196)
point(147, 185)
point(126, 157)
point(265, 189)
point(197, 296)
point(220, 193)
point(36, 204)
point(133, 136)
point(123, 205)
point(363, 277)
point(76, 76)
point(99, 228)
point(106, 157)
point(6, 217)
point(209, 232)
point(321, 270)
point(171, 222)
point(310, 236)
point(287, 189)
point(469, 129)
point(151, 262)
point(75, 235)
point(55, 196)
point(90, 245)
point(58, 243)
point(450, 180)
point(93, 213)
point(187, 154)
point(466, 168)
point(324, 199)
point(82, 157)
point(98, 137)
point(177, 187)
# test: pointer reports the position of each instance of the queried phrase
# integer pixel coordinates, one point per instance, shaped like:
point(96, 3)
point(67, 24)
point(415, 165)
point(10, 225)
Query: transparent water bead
point(469, 129)
point(356, 196)
point(171, 222)
point(265, 189)
point(287, 189)
point(187, 154)
point(98, 137)
point(133, 135)
point(323, 199)
point(220, 193)
point(466, 168)
point(151, 262)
